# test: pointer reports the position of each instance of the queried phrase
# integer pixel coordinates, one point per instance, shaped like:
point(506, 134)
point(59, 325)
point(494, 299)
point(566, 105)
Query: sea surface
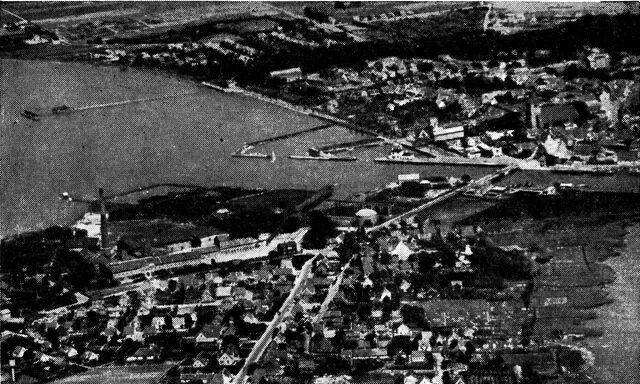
point(185, 139)
point(617, 352)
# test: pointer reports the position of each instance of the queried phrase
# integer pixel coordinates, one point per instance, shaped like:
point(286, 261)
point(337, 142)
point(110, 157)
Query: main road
point(332, 292)
point(282, 314)
point(444, 197)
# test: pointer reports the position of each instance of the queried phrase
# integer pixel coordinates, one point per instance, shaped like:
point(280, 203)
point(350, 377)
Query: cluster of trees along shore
point(34, 260)
point(458, 34)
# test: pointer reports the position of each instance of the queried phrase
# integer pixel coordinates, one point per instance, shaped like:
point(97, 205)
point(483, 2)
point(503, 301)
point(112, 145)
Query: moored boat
point(30, 115)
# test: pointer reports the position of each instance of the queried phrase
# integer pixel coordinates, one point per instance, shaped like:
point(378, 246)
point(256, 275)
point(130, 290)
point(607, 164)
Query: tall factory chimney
point(104, 233)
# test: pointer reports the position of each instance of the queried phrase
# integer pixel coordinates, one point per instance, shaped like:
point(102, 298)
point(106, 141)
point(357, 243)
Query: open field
point(55, 13)
point(589, 286)
point(81, 21)
point(367, 8)
point(585, 7)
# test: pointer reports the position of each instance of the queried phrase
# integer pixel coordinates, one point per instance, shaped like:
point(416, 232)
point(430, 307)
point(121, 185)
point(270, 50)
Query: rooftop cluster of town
point(522, 105)
point(416, 301)
point(368, 286)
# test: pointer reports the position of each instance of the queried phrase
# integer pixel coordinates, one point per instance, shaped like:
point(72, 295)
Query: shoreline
point(44, 210)
point(619, 319)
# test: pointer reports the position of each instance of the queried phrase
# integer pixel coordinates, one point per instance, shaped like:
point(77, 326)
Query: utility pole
point(12, 364)
point(104, 233)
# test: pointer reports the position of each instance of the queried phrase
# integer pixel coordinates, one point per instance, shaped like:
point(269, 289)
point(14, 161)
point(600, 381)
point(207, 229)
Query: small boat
point(60, 109)
point(273, 156)
point(401, 155)
point(30, 115)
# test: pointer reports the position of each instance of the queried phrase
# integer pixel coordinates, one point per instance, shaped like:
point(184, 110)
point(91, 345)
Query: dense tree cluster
point(428, 38)
point(321, 229)
point(45, 272)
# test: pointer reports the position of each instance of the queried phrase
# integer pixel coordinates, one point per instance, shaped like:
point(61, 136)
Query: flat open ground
point(77, 21)
point(367, 8)
point(130, 374)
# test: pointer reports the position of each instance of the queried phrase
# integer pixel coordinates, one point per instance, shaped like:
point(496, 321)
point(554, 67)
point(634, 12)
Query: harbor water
point(187, 139)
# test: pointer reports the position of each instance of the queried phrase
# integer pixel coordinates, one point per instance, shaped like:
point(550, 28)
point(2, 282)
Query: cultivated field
point(86, 21)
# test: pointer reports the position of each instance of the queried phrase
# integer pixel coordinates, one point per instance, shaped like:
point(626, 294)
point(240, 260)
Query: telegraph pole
point(104, 232)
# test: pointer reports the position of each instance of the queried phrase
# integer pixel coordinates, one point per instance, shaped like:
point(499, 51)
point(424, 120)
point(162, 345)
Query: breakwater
point(449, 161)
point(323, 158)
point(290, 135)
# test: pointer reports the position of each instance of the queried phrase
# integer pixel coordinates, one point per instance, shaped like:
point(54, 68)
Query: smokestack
point(104, 234)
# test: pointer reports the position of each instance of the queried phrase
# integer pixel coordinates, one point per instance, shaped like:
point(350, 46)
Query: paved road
point(14, 15)
point(455, 192)
point(332, 292)
point(487, 18)
point(283, 313)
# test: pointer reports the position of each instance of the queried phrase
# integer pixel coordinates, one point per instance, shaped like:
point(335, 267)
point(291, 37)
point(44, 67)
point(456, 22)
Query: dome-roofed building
point(366, 216)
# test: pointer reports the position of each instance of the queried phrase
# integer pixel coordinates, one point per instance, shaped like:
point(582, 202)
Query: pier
point(369, 142)
point(290, 135)
point(451, 160)
point(323, 158)
point(65, 109)
point(124, 102)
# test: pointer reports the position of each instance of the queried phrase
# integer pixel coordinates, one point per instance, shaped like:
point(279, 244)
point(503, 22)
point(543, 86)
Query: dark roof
point(158, 232)
point(557, 113)
point(322, 346)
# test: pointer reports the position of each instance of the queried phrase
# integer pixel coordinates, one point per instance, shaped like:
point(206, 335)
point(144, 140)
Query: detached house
point(179, 324)
point(144, 355)
point(158, 323)
point(90, 356)
point(19, 352)
point(201, 360)
point(402, 330)
point(209, 336)
point(133, 333)
point(228, 360)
